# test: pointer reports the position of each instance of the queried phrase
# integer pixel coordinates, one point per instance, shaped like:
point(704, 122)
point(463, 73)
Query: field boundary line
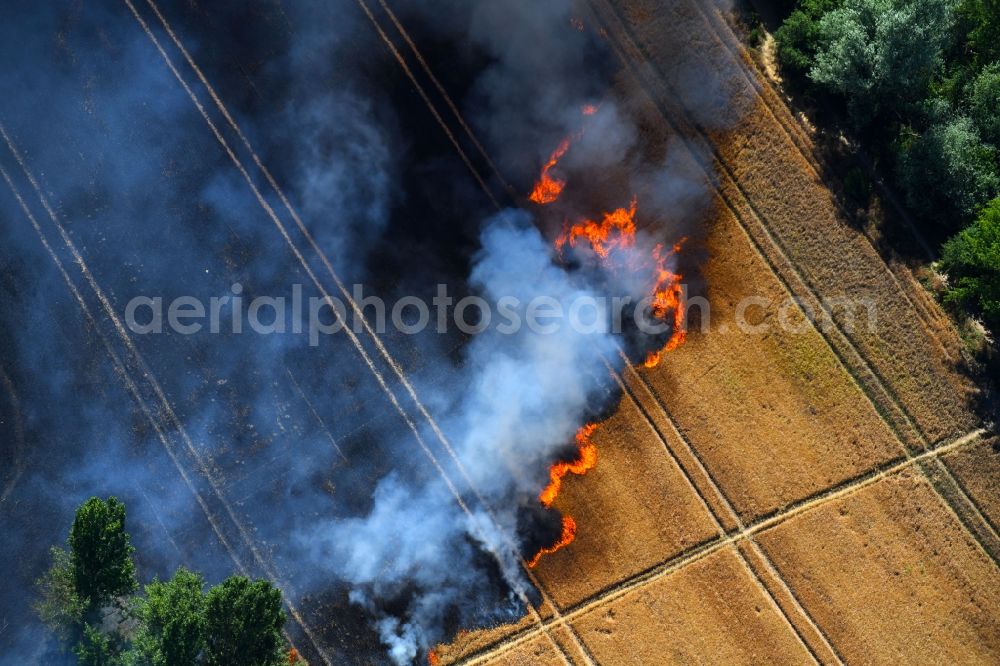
point(985, 536)
point(734, 515)
point(680, 561)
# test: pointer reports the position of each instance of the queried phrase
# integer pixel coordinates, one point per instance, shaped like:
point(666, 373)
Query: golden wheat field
point(782, 498)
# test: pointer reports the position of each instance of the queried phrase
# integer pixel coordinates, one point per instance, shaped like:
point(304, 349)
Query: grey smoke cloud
point(302, 441)
point(518, 401)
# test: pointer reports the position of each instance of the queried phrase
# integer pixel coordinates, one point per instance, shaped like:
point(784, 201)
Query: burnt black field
point(147, 194)
point(239, 452)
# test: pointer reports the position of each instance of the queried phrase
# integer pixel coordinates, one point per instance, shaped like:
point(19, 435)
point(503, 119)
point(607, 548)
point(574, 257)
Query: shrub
point(881, 54)
point(984, 103)
point(971, 260)
point(948, 173)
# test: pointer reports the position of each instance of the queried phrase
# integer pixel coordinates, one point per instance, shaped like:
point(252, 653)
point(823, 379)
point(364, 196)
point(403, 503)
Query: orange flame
point(432, 658)
point(565, 539)
point(615, 230)
point(548, 188)
point(293, 656)
point(584, 463)
point(668, 296)
point(586, 460)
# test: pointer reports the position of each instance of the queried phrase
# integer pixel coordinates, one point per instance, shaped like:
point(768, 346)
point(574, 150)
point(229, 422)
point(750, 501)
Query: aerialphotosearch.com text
point(583, 313)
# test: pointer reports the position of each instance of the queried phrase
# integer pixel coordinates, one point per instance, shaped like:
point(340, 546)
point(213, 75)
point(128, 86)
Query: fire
point(432, 658)
point(548, 188)
point(668, 296)
point(293, 657)
point(615, 230)
point(566, 538)
point(584, 463)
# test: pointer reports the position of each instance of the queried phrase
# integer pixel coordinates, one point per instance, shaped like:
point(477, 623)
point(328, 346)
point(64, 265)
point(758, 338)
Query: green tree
point(982, 20)
point(881, 54)
point(799, 36)
point(58, 605)
point(172, 622)
point(984, 103)
point(243, 621)
point(101, 552)
point(948, 173)
point(971, 260)
point(95, 649)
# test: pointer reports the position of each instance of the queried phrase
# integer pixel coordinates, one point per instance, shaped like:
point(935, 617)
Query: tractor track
point(698, 552)
point(818, 633)
point(967, 511)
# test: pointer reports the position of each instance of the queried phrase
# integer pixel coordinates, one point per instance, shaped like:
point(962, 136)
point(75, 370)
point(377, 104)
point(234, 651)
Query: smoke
point(424, 559)
point(517, 403)
point(302, 446)
point(155, 207)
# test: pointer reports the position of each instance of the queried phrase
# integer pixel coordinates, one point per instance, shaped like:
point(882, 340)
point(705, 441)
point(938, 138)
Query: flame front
point(615, 231)
point(565, 539)
point(548, 187)
point(584, 463)
point(668, 296)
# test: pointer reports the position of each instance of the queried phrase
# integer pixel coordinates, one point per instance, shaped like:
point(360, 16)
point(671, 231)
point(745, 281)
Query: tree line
point(90, 599)
point(917, 83)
